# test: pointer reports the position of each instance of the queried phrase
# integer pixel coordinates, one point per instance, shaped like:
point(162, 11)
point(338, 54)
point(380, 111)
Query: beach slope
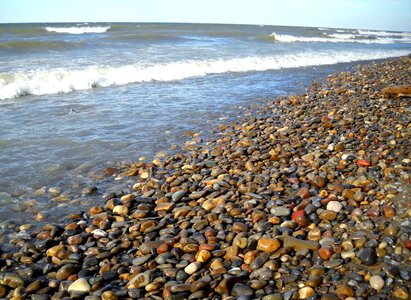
point(304, 198)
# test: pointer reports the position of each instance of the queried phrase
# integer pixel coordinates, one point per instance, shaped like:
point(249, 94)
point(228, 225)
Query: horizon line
point(198, 23)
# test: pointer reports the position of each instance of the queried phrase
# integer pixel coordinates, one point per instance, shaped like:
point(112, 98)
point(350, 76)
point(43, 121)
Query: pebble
point(334, 206)
point(377, 282)
point(298, 245)
point(306, 292)
point(281, 211)
point(178, 195)
point(140, 280)
point(80, 285)
point(192, 268)
point(367, 256)
point(268, 245)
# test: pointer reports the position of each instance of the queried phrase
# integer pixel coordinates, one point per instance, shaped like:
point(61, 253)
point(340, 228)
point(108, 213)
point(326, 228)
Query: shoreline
point(83, 185)
point(299, 200)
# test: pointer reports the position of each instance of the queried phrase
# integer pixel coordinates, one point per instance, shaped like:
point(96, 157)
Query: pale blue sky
point(365, 14)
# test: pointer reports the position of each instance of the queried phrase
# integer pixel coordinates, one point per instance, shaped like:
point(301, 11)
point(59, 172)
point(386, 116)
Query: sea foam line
point(78, 30)
point(53, 81)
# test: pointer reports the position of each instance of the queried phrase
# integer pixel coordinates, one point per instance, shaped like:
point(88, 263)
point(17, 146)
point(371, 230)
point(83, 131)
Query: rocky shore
point(305, 198)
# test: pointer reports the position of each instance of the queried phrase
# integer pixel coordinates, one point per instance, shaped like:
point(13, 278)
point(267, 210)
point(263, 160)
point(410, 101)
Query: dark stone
point(367, 256)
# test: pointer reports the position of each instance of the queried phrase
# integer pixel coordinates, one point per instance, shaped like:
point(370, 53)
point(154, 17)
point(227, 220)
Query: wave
point(78, 30)
point(339, 38)
point(384, 33)
point(41, 82)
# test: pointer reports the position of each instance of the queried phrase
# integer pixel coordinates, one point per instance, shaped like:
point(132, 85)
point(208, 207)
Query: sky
point(359, 14)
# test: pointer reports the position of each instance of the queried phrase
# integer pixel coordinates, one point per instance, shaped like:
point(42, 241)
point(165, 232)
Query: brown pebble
point(325, 253)
point(305, 292)
point(344, 290)
point(268, 245)
point(108, 295)
point(304, 193)
point(328, 215)
point(298, 245)
point(389, 211)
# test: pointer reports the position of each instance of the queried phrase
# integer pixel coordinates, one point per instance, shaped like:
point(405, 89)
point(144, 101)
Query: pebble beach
point(307, 197)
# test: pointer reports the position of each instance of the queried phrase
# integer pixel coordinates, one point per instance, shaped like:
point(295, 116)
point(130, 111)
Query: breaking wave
point(78, 30)
point(53, 81)
point(345, 38)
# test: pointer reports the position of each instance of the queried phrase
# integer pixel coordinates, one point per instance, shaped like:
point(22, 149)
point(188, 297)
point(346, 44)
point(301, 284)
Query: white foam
point(78, 30)
point(338, 38)
point(384, 33)
point(41, 82)
point(345, 36)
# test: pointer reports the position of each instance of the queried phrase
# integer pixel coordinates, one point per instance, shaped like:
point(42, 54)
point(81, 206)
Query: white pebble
point(192, 268)
point(334, 206)
point(376, 282)
point(80, 285)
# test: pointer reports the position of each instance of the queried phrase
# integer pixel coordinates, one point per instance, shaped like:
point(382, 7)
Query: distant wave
point(53, 81)
point(342, 38)
point(384, 33)
point(78, 30)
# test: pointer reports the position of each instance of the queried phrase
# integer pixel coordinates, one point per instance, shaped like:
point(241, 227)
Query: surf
point(78, 30)
point(55, 81)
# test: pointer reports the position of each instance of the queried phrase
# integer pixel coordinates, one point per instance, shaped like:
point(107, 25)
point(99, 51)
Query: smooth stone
point(65, 271)
point(178, 195)
point(203, 255)
point(164, 206)
point(367, 256)
point(391, 231)
point(305, 292)
point(240, 289)
point(332, 264)
point(334, 206)
point(328, 215)
point(344, 290)
point(298, 245)
point(121, 210)
point(268, 245)
point(401, 293)
point(33, 287)
point(263, 273)
point(181, 287)
point(54, 250)
point(140, 280)
point(304, 193)
point(141, 260)
point(377, 282)
point(108, 295)
point(226, 284)
point(80, 285)
point(259, 261)
point(192, 268)
point(150, 247)
point(280, 211)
